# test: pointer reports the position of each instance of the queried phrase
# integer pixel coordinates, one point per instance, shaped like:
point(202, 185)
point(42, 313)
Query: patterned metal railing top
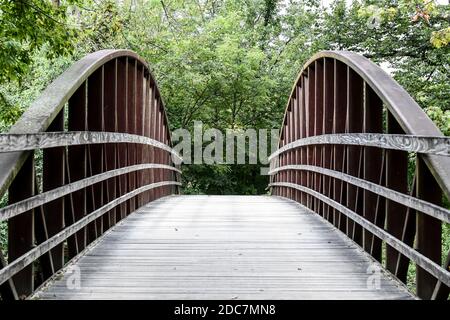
point(410, 143)
point(42, 140)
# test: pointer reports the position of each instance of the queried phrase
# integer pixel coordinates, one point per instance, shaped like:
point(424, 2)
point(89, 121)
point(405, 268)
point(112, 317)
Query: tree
point(28, 26)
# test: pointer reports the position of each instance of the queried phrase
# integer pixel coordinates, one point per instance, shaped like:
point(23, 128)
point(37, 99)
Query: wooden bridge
point(95, 212)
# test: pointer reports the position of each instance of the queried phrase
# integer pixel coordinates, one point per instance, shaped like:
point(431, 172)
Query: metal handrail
point(40, 199)
point(117, 153)
point(420, 144)
point(410, 116)
point(20, 263)
point(409, 201)
point(345, 139)
point(42, 112)
point(44, 140)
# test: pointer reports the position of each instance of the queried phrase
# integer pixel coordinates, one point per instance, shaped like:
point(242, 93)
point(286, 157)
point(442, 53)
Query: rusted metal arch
point(404, 108)
point(344, 116)
point(45, 108)
point(106, 152)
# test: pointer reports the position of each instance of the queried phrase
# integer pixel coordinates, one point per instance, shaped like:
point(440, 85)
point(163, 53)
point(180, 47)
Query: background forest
point(227, 63)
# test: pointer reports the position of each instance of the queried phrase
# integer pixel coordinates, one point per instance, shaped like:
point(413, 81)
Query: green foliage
point(441, 118)
point(33, 34)
point(223, 179)
point(440, 38)
point(3, 237)
point(27, 25)
point(228, 63)
point(3, 229)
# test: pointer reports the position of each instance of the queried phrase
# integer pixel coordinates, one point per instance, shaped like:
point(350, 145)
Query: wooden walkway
point(224, 247)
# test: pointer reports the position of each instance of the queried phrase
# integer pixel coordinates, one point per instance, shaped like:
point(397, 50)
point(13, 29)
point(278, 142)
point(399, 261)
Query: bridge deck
point(223, 247)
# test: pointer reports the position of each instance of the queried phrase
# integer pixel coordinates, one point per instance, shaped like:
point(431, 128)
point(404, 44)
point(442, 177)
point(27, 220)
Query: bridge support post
point(110, 119)
point(318, 130)
point(328, 110)
point(76, 162)
point(396, 179)
point(51, 220)
point(339, 151)
point(21, 228)
point(373, 171)
point(355, 92)
point(429, 229)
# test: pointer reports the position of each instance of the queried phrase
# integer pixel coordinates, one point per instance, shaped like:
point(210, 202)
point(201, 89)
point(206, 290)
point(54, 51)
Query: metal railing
point(93, 148)
point(349, 137)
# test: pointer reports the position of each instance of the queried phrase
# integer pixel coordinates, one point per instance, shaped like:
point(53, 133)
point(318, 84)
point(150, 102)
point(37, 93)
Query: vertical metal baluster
point(429, 229)
point(396, 179)
point(152, 135)
point(139, 127)
point(132, 66)
point(407, 237)
point(288, 154)
point(310, 122)
point(297, 125)
point(53, 172)
point(355, 92)
point(77, 165)
point(146, 127)
point(21, 228)
point(163, 153)
point(157, 137)
point(373, 122)
point(339, 115)
point(318, 127)
point(122, 126)
point(110, 118)
point(380, 209)
point(96, 151)
point(303, 154)
point(328, 104)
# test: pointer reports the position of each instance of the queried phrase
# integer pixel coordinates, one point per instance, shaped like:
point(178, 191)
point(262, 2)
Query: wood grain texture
point(223, 247)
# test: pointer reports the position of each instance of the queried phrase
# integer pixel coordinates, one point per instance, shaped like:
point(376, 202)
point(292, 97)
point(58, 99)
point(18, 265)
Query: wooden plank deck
point(223, 247)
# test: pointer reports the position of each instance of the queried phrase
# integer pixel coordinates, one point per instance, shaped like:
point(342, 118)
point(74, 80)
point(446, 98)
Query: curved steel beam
point(46, 107)
point(405, 110)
